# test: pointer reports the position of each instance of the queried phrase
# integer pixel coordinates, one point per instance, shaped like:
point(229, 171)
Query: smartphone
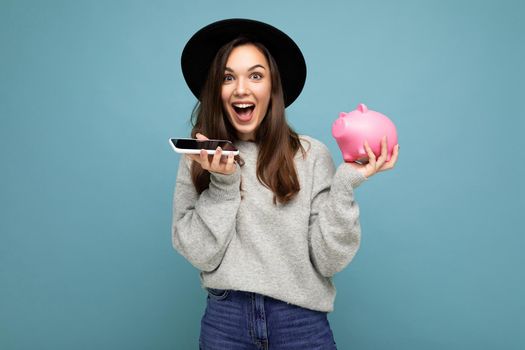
point(194, 146)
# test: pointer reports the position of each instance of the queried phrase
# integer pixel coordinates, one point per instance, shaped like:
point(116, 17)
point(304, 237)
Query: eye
point(257, 76)
point(228, 78)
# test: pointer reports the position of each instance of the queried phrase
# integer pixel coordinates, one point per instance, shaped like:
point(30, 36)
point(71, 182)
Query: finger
point(394, 157)
point(384, 152)
point(205, 163)
point(370, 167)
point(215, 163)
point(224, 156)
point(230, 166)
point(371, 155)
point(392, 162)
point(201, 136)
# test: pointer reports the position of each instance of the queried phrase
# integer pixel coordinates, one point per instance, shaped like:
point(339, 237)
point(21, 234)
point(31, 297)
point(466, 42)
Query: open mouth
point(243, 110)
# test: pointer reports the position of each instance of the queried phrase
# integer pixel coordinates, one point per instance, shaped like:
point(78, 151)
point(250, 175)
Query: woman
point(268, 228)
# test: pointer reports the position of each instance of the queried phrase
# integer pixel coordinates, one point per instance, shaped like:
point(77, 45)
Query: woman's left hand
point(216, 163)
point(380, 164)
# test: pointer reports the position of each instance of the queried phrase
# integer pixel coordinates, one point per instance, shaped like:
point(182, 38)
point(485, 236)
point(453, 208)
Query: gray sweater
point(289, 252)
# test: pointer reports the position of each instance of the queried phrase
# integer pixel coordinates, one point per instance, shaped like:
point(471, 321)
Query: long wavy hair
point(277, 142)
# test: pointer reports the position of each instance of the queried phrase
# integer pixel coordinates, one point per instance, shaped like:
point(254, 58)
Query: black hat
point(202, 47)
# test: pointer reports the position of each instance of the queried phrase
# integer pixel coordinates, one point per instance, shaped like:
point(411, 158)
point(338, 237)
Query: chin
point(244, 129)
point(246, 134)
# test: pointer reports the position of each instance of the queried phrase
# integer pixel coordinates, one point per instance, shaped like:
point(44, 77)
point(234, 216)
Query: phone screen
point(209, 145)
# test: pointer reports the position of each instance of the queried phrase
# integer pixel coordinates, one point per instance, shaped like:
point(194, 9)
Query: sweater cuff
point(226, 185)
point(350, 176)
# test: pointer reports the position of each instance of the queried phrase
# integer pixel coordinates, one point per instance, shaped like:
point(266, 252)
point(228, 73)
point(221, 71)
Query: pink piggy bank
point(351, 130)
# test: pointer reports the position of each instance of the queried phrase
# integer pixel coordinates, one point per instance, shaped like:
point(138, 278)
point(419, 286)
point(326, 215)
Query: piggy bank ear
point(362, 108)
point(342, 115)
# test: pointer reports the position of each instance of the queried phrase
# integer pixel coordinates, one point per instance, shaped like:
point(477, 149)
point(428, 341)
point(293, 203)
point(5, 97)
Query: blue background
point(90, 92)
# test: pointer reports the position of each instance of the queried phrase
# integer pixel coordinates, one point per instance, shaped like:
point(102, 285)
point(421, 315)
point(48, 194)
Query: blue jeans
point(236, 320)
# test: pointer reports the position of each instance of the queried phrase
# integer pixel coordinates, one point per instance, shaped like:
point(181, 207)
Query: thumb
point(201, 136)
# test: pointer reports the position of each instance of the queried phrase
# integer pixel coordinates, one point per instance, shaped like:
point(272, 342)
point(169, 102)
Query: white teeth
point(243, 105)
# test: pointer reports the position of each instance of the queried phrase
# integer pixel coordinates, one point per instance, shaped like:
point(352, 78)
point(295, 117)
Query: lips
point(243, 110)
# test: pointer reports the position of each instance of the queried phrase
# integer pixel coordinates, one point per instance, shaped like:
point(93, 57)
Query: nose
point(241, 88)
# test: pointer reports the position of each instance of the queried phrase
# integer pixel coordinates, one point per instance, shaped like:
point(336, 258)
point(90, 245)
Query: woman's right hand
point(374, 166)
point(216, 163)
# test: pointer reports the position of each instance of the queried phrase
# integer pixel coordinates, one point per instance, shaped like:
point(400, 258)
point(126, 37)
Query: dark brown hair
point(277, 142)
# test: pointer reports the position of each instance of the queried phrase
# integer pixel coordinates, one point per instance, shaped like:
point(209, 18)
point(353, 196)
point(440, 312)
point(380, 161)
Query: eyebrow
point(249, 69)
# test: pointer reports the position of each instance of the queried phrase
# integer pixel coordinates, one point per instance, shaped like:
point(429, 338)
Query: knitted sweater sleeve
point(203, 225)
point(334, 229)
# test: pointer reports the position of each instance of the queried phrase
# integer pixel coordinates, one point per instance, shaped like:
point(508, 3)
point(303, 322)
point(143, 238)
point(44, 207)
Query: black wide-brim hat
point(202, 47)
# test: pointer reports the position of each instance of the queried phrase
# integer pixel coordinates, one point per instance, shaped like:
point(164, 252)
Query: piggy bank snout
point(339, 128)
